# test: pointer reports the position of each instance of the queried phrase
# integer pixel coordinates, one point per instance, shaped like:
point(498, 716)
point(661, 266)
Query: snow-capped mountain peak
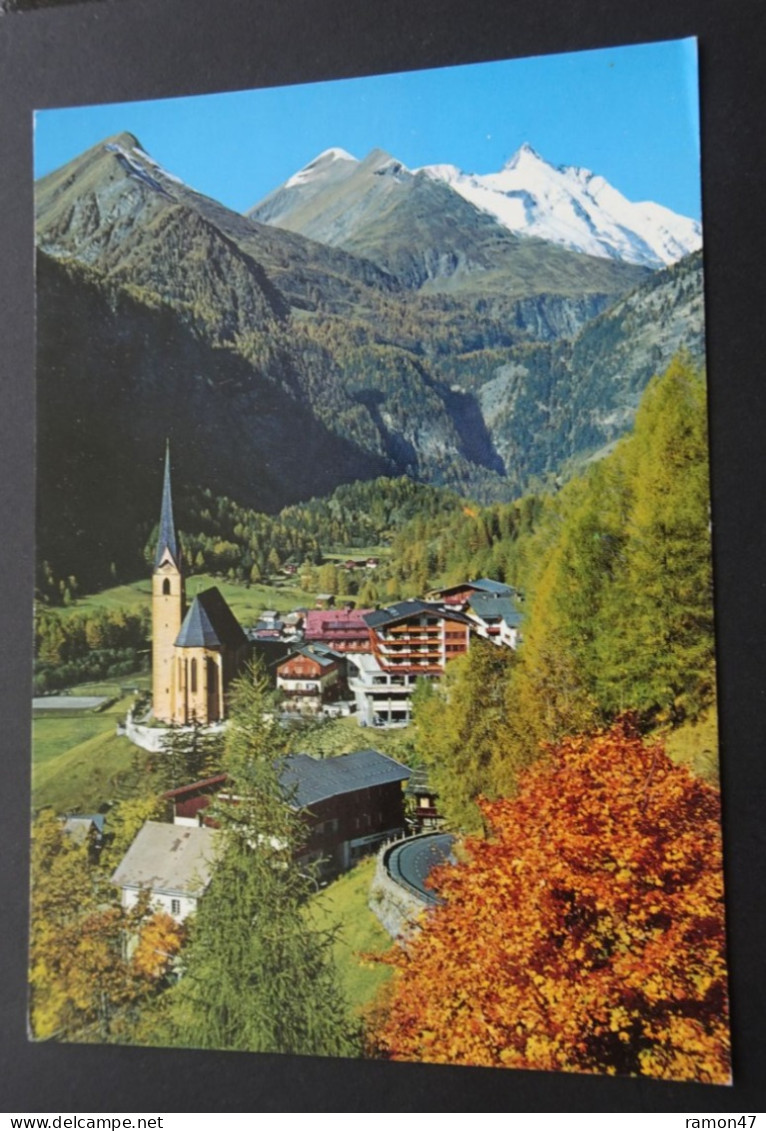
point(574, 207)
point(320, 165)
point(525, 154)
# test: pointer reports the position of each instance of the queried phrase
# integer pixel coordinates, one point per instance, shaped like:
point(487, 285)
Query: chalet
point(87, 829)
point(269, 626)
point(350, 804)
point(344, 630)
point(174, 863)
point(417, 637)
point(383, 698)
point(461, 594)
point(309, 677)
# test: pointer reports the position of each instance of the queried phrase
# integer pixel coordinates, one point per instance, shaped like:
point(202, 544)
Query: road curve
point(410, 862)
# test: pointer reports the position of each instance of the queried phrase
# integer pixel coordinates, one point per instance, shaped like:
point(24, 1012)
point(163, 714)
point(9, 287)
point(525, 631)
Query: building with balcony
point(417, 637)
point(309, 677)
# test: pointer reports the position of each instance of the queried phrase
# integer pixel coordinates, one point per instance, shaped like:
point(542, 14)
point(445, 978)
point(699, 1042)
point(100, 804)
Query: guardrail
point(395, 902)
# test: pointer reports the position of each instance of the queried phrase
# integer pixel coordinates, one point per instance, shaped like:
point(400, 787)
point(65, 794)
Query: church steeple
point(168, 604)
point(167, 541)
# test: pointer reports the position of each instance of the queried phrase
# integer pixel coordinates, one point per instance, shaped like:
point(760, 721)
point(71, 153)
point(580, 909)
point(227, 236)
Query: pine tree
point(257, 976)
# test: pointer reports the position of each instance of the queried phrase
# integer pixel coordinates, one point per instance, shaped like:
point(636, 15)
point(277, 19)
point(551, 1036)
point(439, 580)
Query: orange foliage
point(586, 934)
point(159, 942)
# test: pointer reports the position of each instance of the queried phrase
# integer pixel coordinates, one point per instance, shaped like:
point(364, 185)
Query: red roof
point(328, 624)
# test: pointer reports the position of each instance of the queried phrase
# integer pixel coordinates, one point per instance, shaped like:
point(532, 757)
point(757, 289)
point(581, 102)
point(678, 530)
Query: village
point(322, 663)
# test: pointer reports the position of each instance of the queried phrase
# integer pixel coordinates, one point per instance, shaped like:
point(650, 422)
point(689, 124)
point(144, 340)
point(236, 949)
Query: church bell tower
point(168, 605)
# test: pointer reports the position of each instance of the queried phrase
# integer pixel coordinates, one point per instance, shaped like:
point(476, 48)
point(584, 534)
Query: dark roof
point(487, 606)
point(483, 585)
point(210, 623)
point(487, 585)
point(268, 625)
point(309, 780)
point(80, 824)
point(166, 539)
point(402, 610)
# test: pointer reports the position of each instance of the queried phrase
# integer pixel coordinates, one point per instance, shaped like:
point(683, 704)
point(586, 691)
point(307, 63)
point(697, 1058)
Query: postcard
point(375, 691)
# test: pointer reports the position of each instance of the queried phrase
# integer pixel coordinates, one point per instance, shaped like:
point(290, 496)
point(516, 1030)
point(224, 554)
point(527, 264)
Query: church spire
point(166, 540)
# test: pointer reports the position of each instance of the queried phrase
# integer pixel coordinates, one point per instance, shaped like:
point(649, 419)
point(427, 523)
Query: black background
point(130, 49)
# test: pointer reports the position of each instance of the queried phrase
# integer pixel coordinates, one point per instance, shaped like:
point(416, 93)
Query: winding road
point(410, 862)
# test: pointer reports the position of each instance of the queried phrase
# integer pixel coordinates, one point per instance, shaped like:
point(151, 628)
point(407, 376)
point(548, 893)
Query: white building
point(175, 863)
point(495, 618)
point(383, 698)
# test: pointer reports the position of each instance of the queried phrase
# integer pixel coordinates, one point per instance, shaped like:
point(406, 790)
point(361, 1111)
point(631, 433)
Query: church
point(196, 650)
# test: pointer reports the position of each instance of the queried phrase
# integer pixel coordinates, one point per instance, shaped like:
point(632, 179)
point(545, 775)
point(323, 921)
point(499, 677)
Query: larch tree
point(585, 934)
point(461, 728)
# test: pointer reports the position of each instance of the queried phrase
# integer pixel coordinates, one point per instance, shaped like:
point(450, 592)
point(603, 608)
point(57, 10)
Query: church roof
point(166, 539)
point(210, 623)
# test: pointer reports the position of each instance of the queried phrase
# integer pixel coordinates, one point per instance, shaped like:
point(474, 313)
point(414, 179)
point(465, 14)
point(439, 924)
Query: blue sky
point(628, 113)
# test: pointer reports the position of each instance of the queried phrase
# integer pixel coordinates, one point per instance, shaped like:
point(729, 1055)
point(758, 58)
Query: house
point(344, 630)
point(496, 618)
point(422, 804)
point(309, 677)
point(461, 594)
point(196, 651)
point(174, 863)
point(188, 802)
point(87, 829)
point(349, 804)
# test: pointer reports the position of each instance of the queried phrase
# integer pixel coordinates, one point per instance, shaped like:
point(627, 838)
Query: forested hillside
point(617, 579)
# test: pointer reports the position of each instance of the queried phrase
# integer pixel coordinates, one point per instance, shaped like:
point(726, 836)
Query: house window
point(175, 907)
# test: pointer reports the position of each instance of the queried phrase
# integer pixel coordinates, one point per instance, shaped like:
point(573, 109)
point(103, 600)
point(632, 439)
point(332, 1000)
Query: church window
point(166, 587)
point(193, 676)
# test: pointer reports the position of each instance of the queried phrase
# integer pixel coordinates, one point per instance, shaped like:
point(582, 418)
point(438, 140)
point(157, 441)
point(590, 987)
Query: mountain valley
point(401, 330)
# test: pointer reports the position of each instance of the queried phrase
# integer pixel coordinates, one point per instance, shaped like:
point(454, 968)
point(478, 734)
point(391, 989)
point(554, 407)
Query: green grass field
point(246, 602)
point(343, 904)
point(79, 762)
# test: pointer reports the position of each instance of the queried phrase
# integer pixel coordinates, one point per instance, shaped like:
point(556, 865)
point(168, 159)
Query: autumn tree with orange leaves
point(585, 934)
